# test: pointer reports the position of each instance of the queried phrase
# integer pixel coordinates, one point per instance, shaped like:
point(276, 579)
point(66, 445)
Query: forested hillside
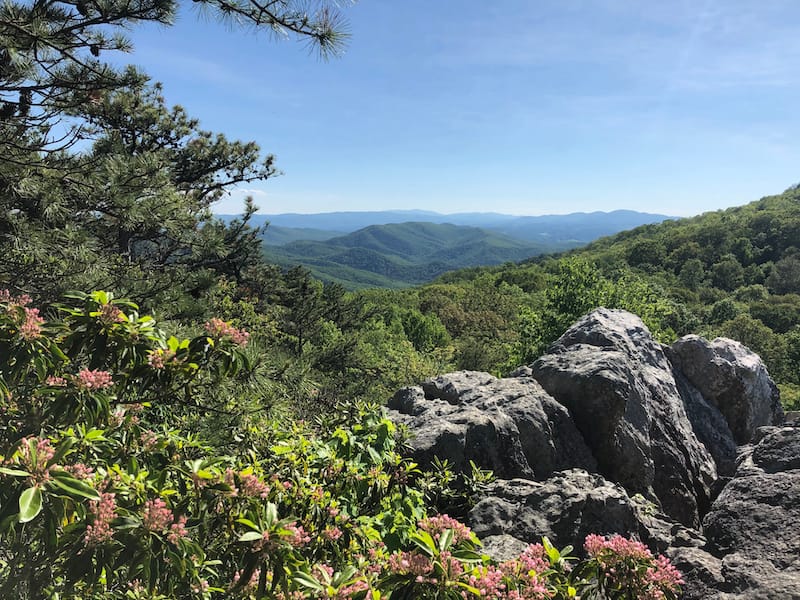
point(571, 227)
point(388, 249)
point(732, 273)
point(402, 254)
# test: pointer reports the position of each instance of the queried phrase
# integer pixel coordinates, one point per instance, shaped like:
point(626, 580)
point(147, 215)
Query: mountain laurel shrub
point(105, 492)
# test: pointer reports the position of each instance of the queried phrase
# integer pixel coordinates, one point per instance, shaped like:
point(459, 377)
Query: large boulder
point(708, 424)
point(757, 513)
point(610, 432)
point(734, 577)
point(733, 379)
point(752, 550)
point(619, 388)
point(511, 425)
point(567, 507)
point(702, 573)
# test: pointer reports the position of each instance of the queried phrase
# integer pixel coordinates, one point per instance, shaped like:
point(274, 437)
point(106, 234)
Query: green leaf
point(74, 487)
point(250, 536)
point(271, 516)
point(424, 541)
point(63, 448)
point(345, 576)
point(30, 504)
point(468, 555)
point(126, 523)
point(95, 435)
point(280, 449)
point(14, 472)
point(469, 588)
point(445, 540)
point(101, 296)
point(308, 581)
point(32, 450)
point(249, 524)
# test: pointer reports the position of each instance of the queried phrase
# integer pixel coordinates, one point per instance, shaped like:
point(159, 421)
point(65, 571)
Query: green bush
point(106, 491)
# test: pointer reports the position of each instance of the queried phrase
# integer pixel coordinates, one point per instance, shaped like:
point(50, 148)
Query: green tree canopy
point(102, 184)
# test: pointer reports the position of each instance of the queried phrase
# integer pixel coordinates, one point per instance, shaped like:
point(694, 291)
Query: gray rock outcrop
point(708, 424)
point(752, 550)
point(570, 505)
point(733, 379)
point(508, 425)
point(683, 447)
point(618, 385)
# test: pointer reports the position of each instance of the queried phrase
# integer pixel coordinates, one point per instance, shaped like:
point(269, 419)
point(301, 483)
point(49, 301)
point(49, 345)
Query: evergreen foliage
point(103, 185)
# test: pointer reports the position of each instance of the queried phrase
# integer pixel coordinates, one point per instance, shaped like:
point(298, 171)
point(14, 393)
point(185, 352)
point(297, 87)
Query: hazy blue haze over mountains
point(580, 227)
point(401, 248)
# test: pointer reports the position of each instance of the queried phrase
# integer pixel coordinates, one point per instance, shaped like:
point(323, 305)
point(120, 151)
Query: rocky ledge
point(683, 447)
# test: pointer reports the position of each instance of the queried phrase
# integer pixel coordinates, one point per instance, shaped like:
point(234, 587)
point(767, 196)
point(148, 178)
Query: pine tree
point(101, 183)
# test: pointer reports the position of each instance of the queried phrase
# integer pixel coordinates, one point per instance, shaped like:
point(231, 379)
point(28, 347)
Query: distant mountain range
point(574, 227)
point(402, 248)
point(401, 254)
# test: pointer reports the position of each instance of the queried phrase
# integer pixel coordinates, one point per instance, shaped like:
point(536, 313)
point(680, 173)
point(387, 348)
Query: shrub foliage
point(107, 491)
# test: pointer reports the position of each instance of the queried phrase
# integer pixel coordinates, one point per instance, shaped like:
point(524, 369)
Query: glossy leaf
point(30, 504)
point(73, 486)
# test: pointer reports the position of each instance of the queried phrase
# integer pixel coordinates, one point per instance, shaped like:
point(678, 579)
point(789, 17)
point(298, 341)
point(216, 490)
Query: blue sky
point(512, 106)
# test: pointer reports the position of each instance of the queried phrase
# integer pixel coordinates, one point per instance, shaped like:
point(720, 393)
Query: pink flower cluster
point(489, 581)
point(252, 487)
point(534, 558)
point(228, 479)
point(664, 574)
point(345, 592)
point(158, 358)
point(35, 462)
point(110, 314)
point(79, 471)
point(526, 573)
point(148, 439)
point(630, 564)
point(518, 579)
point(217, 328)
point(615, 548)
point(14, 301)
point(104, 512)
point(297, 535)
point(412, 563)
point(30, 326)
point(440, 523)
point(251, 586)
point(332, 533)
point(93, 379)
point(178, 530)
point(349, 591)
point(55, 381)
point(156, 516)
